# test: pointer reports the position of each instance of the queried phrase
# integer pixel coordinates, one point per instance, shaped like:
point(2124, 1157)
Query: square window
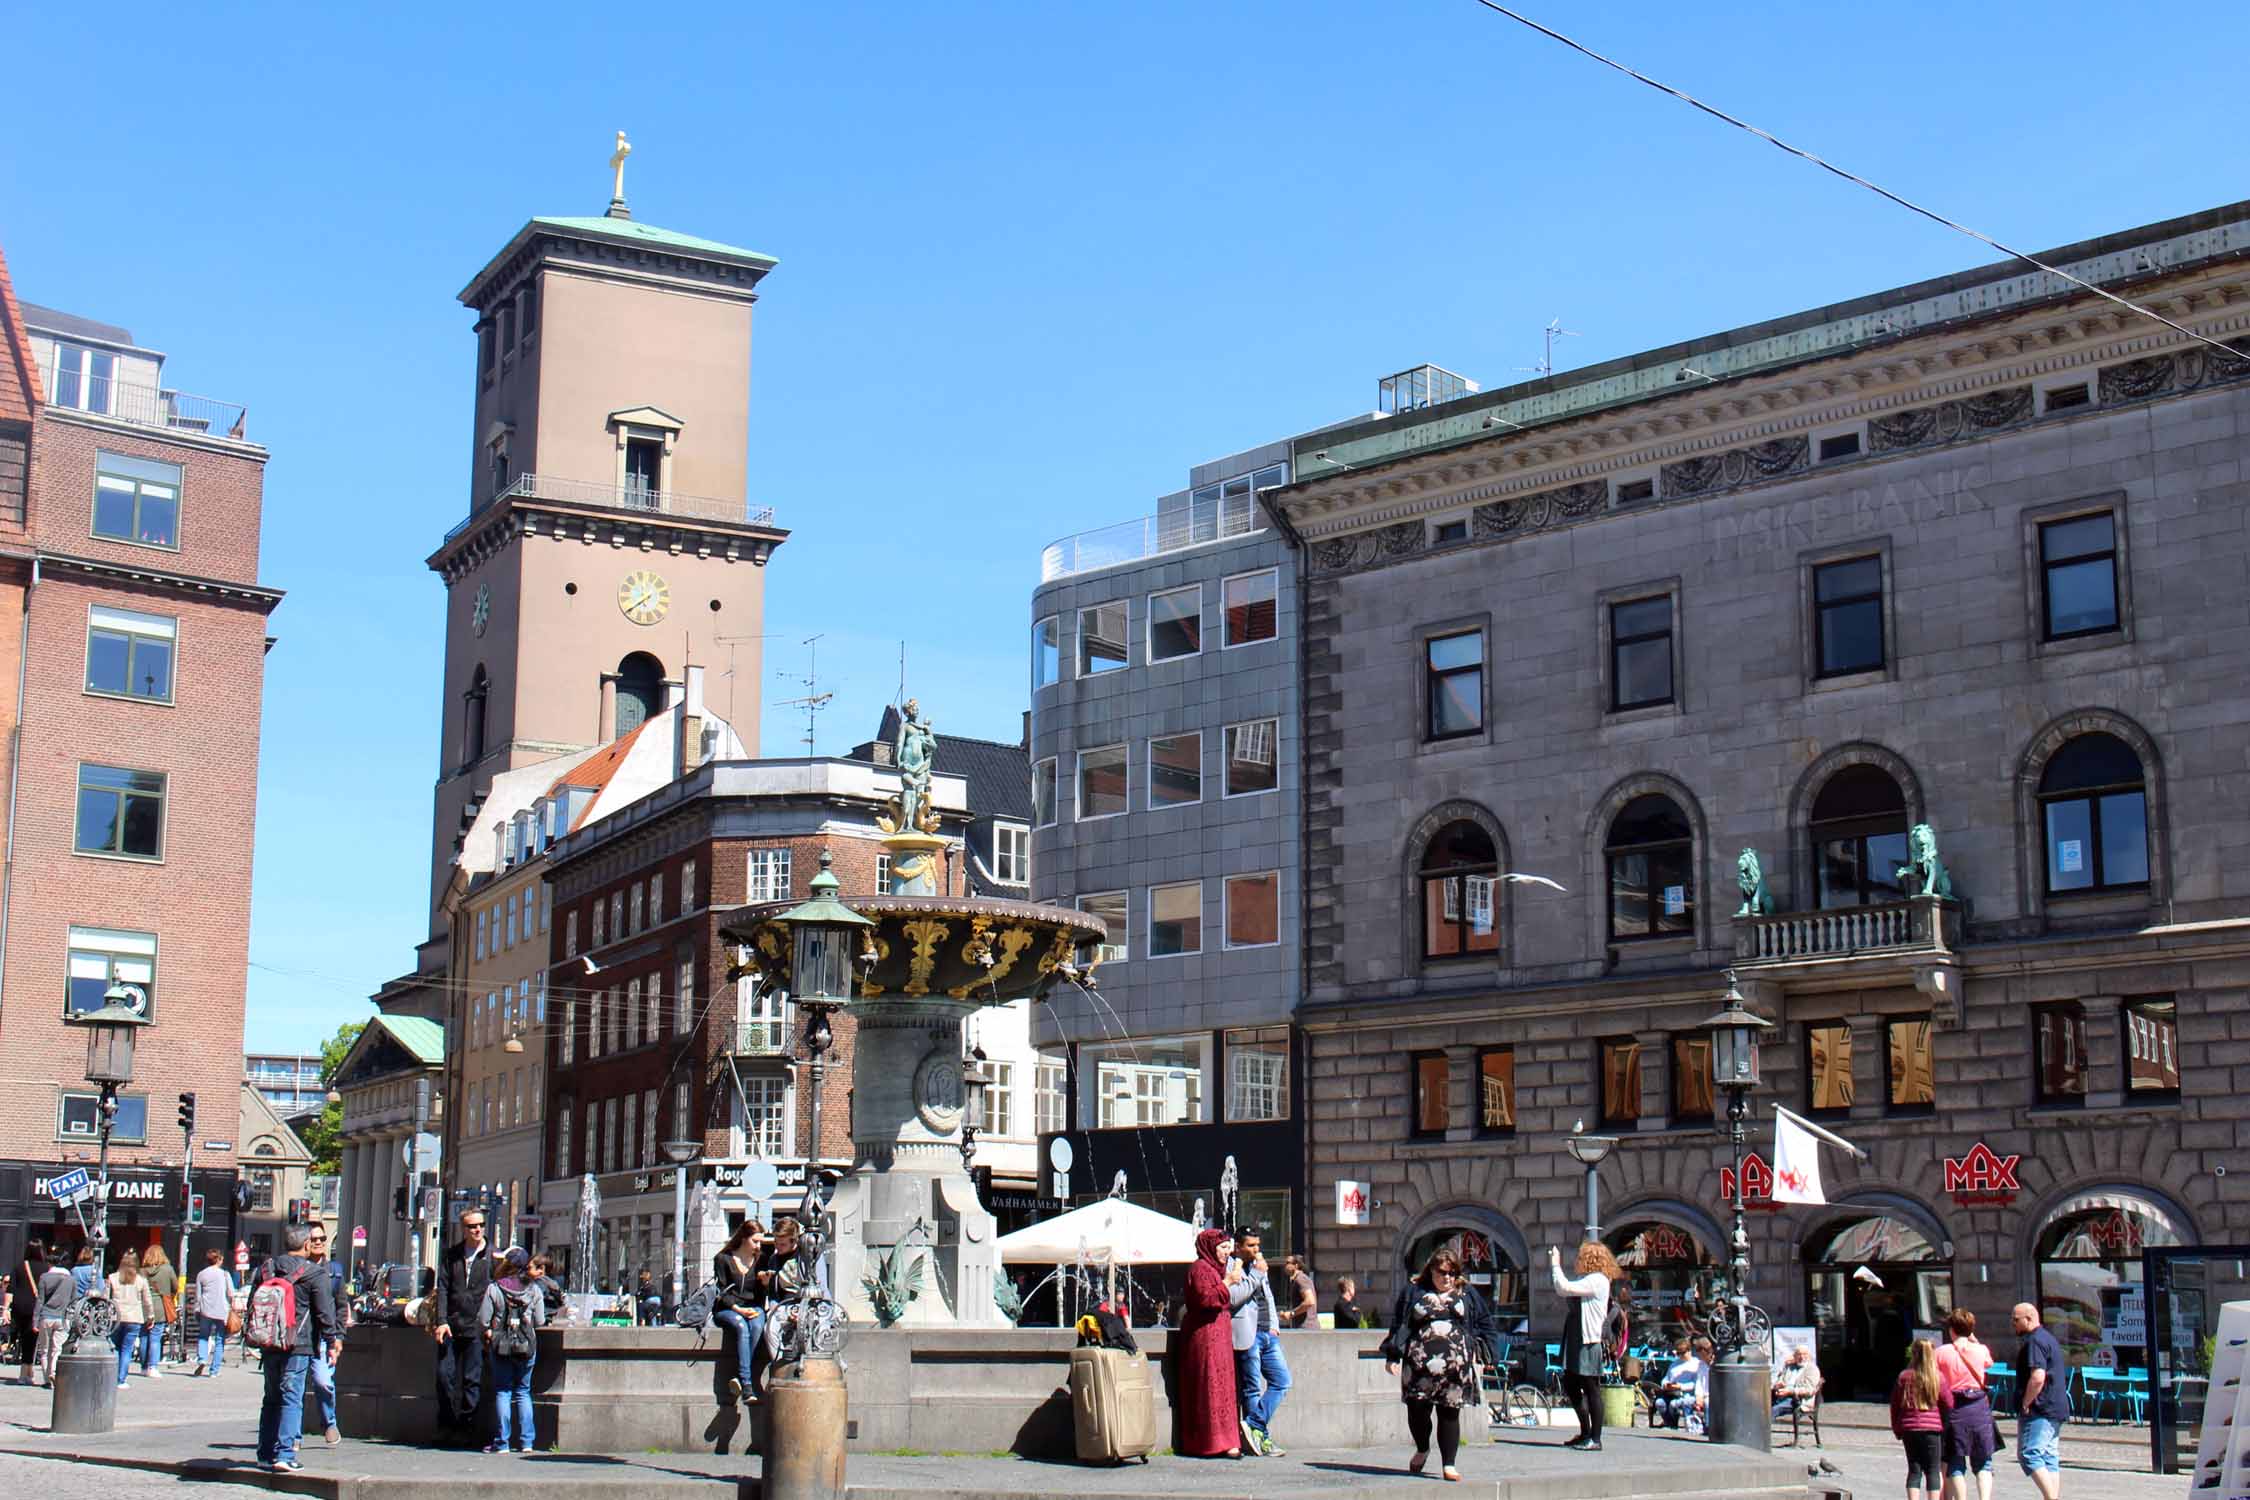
point(1046, 653)
point(1101, 639)
point(1433, 1107)
point(1175, 919)
point(1620, 1080)
point(1043, 793)
point(1250, 604)
point(2058, 1034)
point(79, 1118)
point(769, 876)
point(1910, 1074)
point(99, 957)
point(1175, 770)
point(1253, 910)
point(1050, 1087)
point(2078, 568)
point(1175, 623)
point(1640, 648)
point(1496, 1091)
point(1828, 1069)
point(120, 812)
point(1109, 908)
point(1253, 758)
point(1258, 1074)
point(1101, 782)
point(1848, 616)
point(1151, 1082)
point(1011, 853)
point(128, 654)
point(1691, 1078)
point(1453, 669)
point(136, 500)
point(2152, 1048)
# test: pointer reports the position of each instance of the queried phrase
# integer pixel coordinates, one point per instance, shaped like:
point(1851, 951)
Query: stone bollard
point(1742, 1405)
point(85, 1388)
point(806, 1413)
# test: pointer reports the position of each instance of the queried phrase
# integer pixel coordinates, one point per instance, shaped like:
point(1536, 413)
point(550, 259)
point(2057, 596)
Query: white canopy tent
point(1111, 1232)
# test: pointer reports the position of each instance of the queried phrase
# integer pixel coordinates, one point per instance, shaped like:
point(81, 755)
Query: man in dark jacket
point(461, 1285)
point(281, 1417)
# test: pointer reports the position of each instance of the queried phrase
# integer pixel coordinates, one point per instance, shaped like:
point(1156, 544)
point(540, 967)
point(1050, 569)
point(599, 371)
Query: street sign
point(218, 1145)
point(760, 1179)
point(241, 1258)
point(530, 1221)
point(68, 1187)
point(1059, 1154)
point(359, 1236)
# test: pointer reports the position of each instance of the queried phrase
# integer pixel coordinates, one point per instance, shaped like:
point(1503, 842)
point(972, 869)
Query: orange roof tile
point(596, 770)
point(19, 372)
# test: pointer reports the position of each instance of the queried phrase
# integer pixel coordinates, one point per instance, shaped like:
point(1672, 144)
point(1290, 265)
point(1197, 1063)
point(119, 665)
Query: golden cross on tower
point(617, 165)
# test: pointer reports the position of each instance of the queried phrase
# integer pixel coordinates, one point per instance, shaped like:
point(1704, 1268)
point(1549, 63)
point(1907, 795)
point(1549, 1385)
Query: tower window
point(644, 466)
point(640, 691)
point(472, 718)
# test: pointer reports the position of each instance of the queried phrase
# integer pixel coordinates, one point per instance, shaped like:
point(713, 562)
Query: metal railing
point(766, 1036)
point(1188, 525)
point(148, 405)
point(637, 497)
point(1921, 924)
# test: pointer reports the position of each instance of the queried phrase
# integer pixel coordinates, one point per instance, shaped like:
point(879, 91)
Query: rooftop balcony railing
point(629, 497)
point(146, 405)
point(1189, 525)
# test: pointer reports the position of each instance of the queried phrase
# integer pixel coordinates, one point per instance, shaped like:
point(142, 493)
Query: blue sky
point(1035, 261)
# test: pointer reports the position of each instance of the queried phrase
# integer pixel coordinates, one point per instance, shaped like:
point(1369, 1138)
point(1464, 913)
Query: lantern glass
point(823, 962)
point(109, 1053)
point(973, 1086)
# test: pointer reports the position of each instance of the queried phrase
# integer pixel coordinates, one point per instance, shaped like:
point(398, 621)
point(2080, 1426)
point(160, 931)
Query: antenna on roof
point(1546, 366)
point(813, 700)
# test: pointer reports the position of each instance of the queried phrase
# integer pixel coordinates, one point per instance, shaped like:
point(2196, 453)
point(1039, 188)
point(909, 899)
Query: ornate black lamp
point(1741, 1414)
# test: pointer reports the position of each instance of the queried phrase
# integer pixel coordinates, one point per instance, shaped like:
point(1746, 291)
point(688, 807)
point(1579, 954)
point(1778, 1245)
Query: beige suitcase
point(1113, 1404)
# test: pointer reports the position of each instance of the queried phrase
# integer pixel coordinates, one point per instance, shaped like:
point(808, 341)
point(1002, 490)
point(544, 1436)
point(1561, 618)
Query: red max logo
point(1355, 1201)
point(1757, 1178)
point(1981, 1171)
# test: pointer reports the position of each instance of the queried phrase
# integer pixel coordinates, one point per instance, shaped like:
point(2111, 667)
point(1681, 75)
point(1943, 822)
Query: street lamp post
point(1740, 1411)
point(680, 1152)
point(85, 1398)
point(1589, 1151)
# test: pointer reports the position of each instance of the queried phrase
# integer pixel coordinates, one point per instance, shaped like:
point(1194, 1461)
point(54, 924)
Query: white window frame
point(767, 874)
point(135, 625)
point(1050, 1096)
point(563, 1143)
point(1149, 768)
point(1226, 914)
point(761, 1128)
point(1148, 624)
point(1000, 1102)
point(482, 932)
point(126, 956)
point(1078, 782)
point(883, 873)
point(1176, 885)
point(1274, 1083)
point(632, 1014)
point(570, 1032)
point(1227, 755)
point(635, 909)
point(1011, 852)
point(1233, 578)
point(687, 886)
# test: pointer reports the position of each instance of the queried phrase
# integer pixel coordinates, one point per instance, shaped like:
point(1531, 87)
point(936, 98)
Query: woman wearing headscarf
point(1585, 1316)
point(1210, 1418)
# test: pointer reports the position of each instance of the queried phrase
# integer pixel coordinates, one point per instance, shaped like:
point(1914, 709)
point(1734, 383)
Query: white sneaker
point(153, 1374)
point(124, 1385)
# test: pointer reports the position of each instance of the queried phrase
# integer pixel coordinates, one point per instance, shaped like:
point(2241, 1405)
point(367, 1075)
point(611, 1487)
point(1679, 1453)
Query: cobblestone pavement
point(1875, 1470)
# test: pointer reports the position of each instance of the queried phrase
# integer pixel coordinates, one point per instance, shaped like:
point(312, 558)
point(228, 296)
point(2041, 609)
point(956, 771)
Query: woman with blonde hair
point(135, 1307)
point(164, 1282)
point(1586, 1302)
point(1918, 1422)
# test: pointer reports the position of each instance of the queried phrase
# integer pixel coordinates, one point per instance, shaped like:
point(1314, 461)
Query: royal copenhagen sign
point(1982, 1178)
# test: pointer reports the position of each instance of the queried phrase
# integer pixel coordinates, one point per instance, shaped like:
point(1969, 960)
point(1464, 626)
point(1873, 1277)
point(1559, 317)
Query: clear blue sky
point(1035, 261)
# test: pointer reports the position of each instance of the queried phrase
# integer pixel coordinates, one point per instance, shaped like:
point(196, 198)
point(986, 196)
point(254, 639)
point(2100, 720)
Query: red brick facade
point(194, 895)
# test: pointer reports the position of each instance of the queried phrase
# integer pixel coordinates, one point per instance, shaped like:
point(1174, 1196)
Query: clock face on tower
point(481, 612)
point(644, 597)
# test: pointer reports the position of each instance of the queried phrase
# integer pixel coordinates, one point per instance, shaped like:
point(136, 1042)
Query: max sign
point(1757, 1184)
point(1981, 1177)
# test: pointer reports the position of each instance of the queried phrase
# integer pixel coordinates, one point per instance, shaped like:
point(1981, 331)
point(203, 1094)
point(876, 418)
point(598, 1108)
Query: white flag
point(1796, 1161)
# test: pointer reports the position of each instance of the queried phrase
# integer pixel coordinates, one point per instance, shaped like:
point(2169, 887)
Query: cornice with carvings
point(523, 519)
point(1793, 403)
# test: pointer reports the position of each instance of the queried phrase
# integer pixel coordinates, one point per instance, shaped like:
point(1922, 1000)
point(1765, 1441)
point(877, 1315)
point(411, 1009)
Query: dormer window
point(645, 435)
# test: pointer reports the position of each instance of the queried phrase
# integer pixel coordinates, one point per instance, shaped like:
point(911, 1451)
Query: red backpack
point(272, 1323)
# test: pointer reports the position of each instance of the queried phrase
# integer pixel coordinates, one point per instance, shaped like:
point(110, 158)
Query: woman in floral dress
point(1437, 1324)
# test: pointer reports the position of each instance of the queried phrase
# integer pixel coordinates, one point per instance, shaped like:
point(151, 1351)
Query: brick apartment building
point(133, 667)
point(649, 1036)
point(1967, 553)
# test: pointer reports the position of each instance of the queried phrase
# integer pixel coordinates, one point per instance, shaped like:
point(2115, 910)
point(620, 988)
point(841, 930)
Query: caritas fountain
point(910, 1244)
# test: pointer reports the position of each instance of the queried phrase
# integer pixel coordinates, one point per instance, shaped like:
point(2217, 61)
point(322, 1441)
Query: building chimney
point(695, 691)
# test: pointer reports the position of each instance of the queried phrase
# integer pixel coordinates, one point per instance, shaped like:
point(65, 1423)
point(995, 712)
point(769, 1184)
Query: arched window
point(640, 691)
point(472, 718)
point(1460, 873)
point(1858, 838)
point(2093, 805)
point(1651, 852)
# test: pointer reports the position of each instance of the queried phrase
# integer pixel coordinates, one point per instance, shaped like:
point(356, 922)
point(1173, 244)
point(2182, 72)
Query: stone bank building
point(1970, 554)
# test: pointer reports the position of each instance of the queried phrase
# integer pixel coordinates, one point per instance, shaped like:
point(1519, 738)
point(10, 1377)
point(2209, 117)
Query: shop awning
point(1113, 1230)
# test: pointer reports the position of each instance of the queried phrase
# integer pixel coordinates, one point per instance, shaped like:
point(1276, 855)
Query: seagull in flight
point(1515, 879)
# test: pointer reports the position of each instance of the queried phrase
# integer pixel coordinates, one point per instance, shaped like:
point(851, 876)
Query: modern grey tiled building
point(1970, 554)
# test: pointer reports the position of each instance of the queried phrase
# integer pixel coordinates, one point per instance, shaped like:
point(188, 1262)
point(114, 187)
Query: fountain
point(910, 1245)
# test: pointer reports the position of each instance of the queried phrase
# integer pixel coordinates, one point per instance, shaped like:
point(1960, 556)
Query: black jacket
point(460, 1288)
point(1483, 1331)
point(317, 1322)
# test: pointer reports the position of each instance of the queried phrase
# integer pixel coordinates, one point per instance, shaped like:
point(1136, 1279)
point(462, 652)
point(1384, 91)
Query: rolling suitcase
point(1112, 1404)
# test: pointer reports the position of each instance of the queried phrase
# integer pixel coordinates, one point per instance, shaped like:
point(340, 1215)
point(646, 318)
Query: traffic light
point(187, 1115)
point(293, 1211)
point(398, 1202)
point(195, 1210)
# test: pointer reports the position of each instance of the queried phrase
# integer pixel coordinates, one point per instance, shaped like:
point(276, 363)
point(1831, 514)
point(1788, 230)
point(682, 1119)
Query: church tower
point(609, 541)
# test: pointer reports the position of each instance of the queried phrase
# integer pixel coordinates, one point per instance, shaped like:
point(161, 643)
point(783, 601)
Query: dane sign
point(1983, 1177)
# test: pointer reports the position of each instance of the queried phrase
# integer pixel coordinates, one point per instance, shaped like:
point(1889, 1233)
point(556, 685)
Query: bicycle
point(1521, 1404)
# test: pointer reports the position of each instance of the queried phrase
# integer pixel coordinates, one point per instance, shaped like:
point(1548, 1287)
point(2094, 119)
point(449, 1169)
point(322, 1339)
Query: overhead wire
point(1878, 189)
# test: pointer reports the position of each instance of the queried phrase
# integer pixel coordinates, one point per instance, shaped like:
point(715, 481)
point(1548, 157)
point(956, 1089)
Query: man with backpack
point(510, 1317)
point(292, 1315)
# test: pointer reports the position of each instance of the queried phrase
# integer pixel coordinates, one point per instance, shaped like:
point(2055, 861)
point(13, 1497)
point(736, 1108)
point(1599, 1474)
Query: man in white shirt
point(1685, 1394)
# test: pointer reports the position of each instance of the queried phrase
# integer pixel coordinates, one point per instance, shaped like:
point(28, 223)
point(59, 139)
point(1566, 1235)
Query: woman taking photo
point(1438, 1325)
point(1210, 1410)
point(1585, 1316)
point(1970, 1437)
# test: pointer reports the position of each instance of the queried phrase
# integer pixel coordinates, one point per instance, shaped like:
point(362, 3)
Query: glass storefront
point(2088, 1259)
point(1872, 1282)
point(1672, 1274)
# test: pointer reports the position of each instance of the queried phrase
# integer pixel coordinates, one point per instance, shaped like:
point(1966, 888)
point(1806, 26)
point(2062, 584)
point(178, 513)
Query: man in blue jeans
point(2045, 1404)
point(321, 1377)
point(281, 1415)
point(1260, 1372)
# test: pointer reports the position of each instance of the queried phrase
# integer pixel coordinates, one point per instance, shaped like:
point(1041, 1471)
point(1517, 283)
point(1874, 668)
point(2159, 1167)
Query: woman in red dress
point(1210, 1420)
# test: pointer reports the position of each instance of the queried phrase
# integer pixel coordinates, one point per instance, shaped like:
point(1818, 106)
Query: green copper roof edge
point(618, 232)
